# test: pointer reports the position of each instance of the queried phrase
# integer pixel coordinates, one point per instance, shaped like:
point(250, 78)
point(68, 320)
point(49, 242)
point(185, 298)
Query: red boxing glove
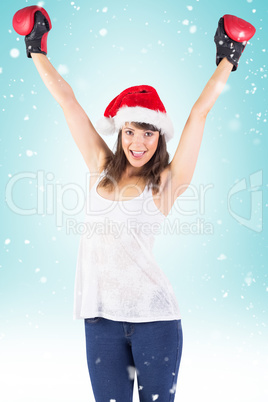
point(238, 29)
point(231, 38)
point(34, 22)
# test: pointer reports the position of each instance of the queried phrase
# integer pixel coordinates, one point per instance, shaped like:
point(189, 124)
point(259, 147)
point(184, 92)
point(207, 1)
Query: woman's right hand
point(34, 22)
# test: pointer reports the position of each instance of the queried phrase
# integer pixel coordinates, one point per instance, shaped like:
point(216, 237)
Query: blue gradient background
point(220, 278)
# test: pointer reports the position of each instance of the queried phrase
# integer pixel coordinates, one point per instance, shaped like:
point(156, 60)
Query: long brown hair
point(115, 164)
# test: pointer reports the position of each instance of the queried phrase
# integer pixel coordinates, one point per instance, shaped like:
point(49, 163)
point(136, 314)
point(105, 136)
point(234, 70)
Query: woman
point(132, 319)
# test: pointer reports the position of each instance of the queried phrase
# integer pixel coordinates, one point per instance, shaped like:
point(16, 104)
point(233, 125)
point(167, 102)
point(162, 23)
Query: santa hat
point(136, 104)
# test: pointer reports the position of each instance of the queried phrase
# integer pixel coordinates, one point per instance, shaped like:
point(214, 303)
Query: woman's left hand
point(231, 38)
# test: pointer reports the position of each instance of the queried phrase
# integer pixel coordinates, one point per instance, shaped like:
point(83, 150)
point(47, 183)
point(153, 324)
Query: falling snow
point(248, 279)
point(29, 153)
point(14, 53)
point(103, 32)
point(63, 69)
point(131, 372)
point(193, 29)
point(77, 8)
point(173, 389)
point(221, 257)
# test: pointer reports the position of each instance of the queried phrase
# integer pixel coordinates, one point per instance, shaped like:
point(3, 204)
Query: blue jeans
point(117, 349)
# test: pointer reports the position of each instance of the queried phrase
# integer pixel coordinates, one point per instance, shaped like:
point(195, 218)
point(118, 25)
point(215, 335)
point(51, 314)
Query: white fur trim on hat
point(108, 126)
point(105, 125)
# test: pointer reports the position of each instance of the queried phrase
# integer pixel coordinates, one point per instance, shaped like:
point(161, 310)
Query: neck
point(131, 172)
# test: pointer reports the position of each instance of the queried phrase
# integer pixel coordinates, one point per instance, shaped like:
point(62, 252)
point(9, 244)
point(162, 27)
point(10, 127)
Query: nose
point(137, 141)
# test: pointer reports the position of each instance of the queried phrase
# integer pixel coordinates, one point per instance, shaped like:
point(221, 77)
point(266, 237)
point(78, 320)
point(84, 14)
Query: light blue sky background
point(220, 278)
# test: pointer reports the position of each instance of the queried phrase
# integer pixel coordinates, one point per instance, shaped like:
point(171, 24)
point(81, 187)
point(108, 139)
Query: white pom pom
point(105, 126)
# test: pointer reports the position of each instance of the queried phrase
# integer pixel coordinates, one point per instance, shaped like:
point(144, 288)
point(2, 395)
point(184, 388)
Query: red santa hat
point(139, 104)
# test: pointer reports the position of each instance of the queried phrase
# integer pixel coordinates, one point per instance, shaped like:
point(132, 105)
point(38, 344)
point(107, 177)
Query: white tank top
point(117, 276)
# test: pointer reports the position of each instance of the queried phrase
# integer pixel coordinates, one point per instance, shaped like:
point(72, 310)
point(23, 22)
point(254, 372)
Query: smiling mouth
point(137, 154)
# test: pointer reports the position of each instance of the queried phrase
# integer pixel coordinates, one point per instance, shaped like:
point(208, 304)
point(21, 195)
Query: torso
point(128, 190)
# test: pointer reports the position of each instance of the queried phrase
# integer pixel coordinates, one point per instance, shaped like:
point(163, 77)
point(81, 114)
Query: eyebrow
point(133, 129)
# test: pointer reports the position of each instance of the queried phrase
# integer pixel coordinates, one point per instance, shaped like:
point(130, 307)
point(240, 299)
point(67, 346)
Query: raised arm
point(34, 22)
point(92, 147)
point(184, 161)
point(229, 51)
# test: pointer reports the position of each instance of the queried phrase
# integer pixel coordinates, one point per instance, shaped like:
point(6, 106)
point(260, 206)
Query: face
point(144, 142)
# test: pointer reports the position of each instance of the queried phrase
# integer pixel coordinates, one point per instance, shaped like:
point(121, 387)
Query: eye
point(150, 134)
point(128, 131)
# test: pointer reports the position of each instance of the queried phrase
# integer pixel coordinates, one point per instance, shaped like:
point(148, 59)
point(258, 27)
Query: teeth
point(138, 152)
